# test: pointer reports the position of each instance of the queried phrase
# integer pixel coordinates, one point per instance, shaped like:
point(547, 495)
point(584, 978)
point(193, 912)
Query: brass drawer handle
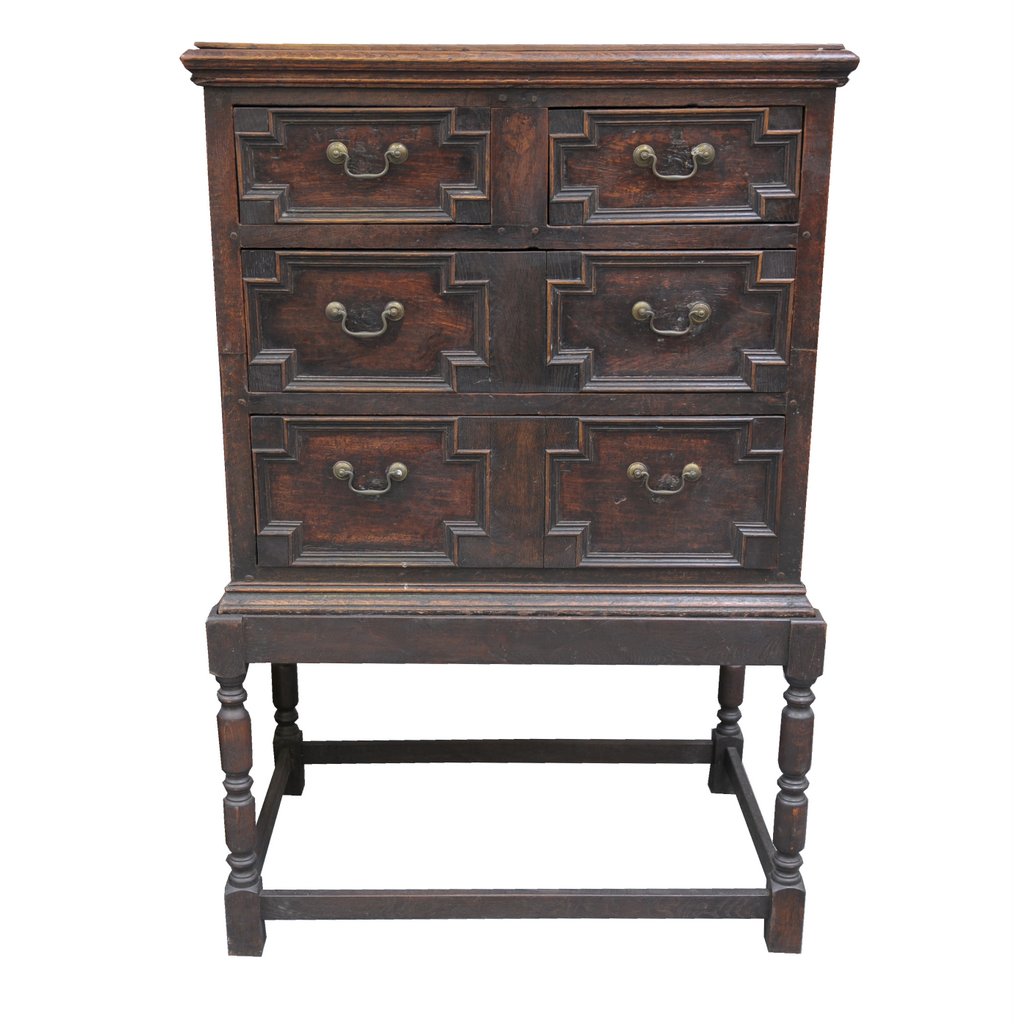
point(392, 311)
point(639, 471)
point(338, 153)
point(395, 473)
point(699, 313)
point(703, 153)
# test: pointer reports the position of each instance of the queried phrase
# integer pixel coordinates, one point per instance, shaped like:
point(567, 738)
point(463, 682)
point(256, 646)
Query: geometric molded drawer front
point(723, 475)
point(720, 320)
point(306, 515)
point(545, 429)
point(298, 342)
point(290, 171)
point(738, 164)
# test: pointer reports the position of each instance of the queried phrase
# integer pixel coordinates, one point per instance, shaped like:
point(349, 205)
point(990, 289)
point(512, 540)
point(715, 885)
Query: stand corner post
point(728, 733)
point(226, 645)
point(244, 922)
point(288, 735)
point(783, 927)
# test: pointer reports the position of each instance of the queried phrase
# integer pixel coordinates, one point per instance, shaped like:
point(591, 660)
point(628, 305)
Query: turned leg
point(285, 694)
point(783, 928)
point(244, 924)
point(728, 733)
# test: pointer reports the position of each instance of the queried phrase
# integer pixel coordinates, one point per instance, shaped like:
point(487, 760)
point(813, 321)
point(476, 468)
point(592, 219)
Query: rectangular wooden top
point(233, 64)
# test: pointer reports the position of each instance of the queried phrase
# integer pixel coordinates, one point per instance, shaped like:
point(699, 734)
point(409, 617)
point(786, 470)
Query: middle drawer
point(518, 321)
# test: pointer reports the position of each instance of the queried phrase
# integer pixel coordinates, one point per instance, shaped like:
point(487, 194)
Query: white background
point(115, 548)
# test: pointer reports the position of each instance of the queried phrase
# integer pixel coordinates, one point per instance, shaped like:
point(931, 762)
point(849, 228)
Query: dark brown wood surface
point(287, 176)
point(496, 478)
point(742, 345)
point(306, 514)
point(728, 518)
point(826, 65)
point(517, 389)
point(475, 329)
point(555, 751)
point(245, 925)
point(753, 176)
point(727, 735)
point(296, 346)
point(407, 904)
point(288, 738)
point(783, 928)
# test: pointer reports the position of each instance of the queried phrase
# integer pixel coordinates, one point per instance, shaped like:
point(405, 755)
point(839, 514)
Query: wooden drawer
point(725, 473)
point(346, 321)
point(456, 491)
point(314, 165)
point(746, 166)
point(426, 321)
point(715, 320)
point(517, 492)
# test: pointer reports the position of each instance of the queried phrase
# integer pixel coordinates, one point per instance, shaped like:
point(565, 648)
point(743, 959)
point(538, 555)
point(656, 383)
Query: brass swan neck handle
point(698, 313)
point(702, 154)
point(639, 471)
point(394, 473)
point(338, 153)
point(337, 311)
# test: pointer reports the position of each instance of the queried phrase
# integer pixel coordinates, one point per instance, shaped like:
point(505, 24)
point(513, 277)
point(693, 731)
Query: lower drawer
point(694, 493)
point(517, 491)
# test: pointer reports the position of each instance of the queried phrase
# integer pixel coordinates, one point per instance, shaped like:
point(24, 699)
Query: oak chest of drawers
point(517, 356)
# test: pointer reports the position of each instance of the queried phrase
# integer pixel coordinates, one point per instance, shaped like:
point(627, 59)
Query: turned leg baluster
point(728, 733)
point(285, 694)
point(244, 923)
point(783, 928)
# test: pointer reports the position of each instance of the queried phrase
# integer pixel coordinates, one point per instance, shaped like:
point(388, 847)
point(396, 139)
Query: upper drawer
point(368, 321)
point(674, 166)
point(321, 165)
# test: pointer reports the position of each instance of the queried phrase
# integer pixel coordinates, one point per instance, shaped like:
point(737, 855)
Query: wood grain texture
point(754, 175)
point(515, 639)
point(504, 235)
point(245, 927)
point(231, 329)
point(443, 336)
point(743, 345)
point(288, 738)
point(517, 389)
point(739, 784)
point(408, 904)
point(308, 516)
point(727, 735)
point(824, 65)
point(573, 598)
point(548, 751)
point(783, 927)
point(285, 175)
point(597, 515)
point(278, 786)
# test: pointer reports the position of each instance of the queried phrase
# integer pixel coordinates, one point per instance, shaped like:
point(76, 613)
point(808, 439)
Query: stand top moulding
point(229, 64)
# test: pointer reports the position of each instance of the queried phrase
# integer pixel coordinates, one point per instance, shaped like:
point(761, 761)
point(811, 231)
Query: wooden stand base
point(347, 904)
point(797, 643)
